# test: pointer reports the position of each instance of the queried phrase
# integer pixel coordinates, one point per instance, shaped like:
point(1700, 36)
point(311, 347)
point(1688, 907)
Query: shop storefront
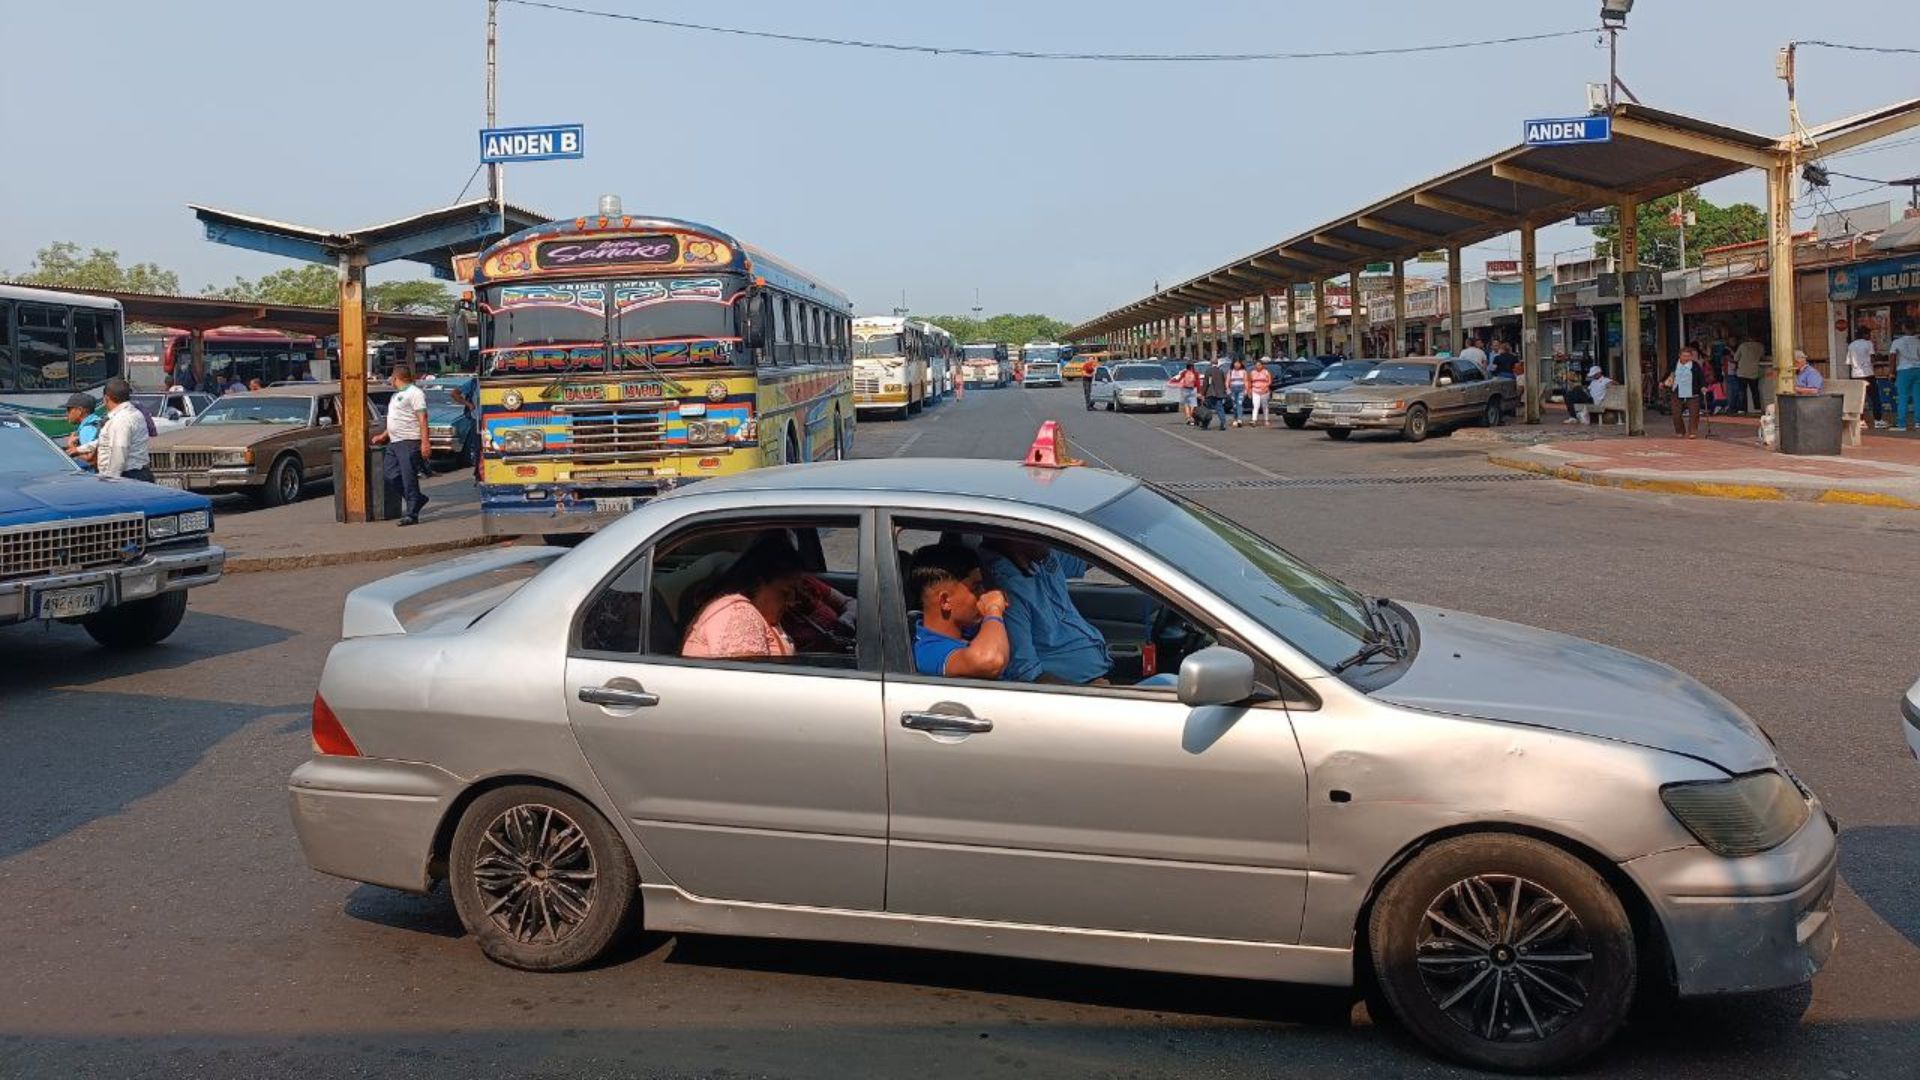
point(1879, 295)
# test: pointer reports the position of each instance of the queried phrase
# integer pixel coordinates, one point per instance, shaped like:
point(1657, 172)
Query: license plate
point(170, 481)
point(1343, 421)
point(618, 505)
point(70, 603)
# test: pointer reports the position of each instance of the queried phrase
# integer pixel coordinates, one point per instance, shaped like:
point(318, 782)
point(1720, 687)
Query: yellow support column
point(1530, 322)
point(1630, 317)
point(1780, 295)
point(1319, 317)
point(353, 385)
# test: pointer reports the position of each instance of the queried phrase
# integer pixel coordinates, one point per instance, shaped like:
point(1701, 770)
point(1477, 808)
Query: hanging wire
point(470, 178)
point(1034, 54)
point(1858, 48)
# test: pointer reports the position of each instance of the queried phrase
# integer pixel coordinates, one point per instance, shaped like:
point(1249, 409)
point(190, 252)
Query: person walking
point(1860, 366)
point(1747, 355)
point(1213, 389)
point(1086, 387)
point(406, 442)
point(1260, 386)
point(121, 449)
point(1237, 390)
point(1906, 377)
point(1687, 382)
point(1187, 381)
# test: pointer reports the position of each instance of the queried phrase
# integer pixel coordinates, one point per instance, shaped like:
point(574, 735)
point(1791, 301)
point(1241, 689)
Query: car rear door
point(1114, 809)
point(745, 779)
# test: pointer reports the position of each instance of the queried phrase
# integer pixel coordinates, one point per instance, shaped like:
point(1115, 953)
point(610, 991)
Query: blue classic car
point(112, 555)
point(450, 409)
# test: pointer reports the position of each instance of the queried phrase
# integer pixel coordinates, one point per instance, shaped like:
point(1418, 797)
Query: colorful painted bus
point(621, 356)
point(53, 343)
point(158, 359)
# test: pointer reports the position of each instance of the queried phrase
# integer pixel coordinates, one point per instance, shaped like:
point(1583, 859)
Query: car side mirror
point(1446, 380)
point(326, 421)
point(1216, 676)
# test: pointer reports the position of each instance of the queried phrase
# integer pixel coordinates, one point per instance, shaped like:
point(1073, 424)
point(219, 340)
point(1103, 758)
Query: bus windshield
point(1038, 355)
point(558, 327)
point(983, 352)
point(882, 347)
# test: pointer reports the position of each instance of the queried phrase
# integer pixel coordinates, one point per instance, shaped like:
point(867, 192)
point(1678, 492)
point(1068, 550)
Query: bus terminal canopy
point(432, 238)
point(1652, 153)
point(208, 313)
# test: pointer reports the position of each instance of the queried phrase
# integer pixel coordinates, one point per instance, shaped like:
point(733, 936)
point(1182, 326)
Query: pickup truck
point(114, 556)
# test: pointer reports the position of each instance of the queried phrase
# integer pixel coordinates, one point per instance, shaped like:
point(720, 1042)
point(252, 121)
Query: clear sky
point(1063, 188)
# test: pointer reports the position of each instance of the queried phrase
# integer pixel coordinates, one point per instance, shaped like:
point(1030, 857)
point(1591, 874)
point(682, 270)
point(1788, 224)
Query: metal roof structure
point(432, 238)
point(1652, 153)
point(208, 313)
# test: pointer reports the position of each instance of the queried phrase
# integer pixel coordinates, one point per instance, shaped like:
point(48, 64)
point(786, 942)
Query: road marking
point(906, 442)
point(1215, 451)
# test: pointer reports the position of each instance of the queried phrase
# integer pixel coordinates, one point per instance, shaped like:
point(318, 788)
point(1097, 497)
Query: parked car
point(1040, 373)
point(173, 410)
point(451, 429)
point(1294, 372)
point(115, 556)
point(1136, 385)
point(1507, 829)
point(267, 443)
point(1413, 396)
point(1296, 405)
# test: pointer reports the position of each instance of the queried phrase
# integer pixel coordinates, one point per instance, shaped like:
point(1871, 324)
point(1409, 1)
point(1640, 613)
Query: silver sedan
point(1125, 387)
point(711, 717)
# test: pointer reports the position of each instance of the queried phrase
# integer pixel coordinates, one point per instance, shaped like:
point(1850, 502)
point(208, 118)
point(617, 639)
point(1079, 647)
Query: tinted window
point(6, 347)
point(96, 347)
point(1467, 371)
point(45, 360)
point(25, 452)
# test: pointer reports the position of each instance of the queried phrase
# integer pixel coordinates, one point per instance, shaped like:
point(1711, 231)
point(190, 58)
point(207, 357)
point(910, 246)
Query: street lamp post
point(1613, 19)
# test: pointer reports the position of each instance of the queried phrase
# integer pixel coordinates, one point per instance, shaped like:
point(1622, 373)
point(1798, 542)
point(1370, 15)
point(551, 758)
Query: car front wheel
point(283, 482)
point(1415, 428)
point(1339, 434)
point(1504, 952)
point(1294, 422)
point(540, 879)
point(1495, 414)
point(139, 623)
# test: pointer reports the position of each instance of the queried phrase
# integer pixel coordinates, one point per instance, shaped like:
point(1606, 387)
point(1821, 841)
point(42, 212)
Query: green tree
point(318, 285)
point(61, 263)
point(1018, 329)
point(1714, 226)
point(412, 297)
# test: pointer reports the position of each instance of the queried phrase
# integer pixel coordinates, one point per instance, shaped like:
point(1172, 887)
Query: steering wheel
point(1189, 638)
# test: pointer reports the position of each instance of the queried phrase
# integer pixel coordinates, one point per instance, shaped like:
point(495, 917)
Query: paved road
point(161, 923)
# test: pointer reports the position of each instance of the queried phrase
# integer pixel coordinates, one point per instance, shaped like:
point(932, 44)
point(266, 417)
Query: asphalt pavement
point(161, 921)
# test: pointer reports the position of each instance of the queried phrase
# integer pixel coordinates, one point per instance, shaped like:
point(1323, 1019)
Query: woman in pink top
point(742, 620)
point(1260, 386)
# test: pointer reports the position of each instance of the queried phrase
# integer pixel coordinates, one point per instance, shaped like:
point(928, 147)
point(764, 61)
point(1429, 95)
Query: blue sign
point(1878, 280)
point(543, 143)
point(1569, 130)
point(1601, 215)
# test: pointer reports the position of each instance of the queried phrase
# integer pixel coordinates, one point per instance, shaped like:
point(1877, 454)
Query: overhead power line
point(1858, 48)
point(1035, 54)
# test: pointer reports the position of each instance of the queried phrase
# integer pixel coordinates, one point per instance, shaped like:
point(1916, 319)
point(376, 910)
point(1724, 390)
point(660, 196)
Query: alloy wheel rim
point(289, 485)
point(536, 874)
point(1504, 958)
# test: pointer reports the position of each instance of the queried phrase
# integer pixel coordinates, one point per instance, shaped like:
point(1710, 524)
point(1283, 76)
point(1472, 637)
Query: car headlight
point(439, 429)
point(163, 526)
point(233, 457)
point(1741, 816)
point(193, 521)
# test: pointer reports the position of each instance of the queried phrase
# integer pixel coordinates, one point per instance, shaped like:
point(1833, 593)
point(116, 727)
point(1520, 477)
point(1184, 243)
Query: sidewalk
point(1727, 463)
point(304, 534)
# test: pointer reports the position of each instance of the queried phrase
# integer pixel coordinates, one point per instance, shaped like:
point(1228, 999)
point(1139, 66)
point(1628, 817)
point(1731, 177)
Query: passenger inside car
point(1051, 641)
point(960, 630)
point(743, 609)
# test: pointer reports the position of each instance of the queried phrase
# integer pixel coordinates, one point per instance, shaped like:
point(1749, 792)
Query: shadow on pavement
point(430, 914)
point(73, 757)
point(1881, 863)
point(38, 655)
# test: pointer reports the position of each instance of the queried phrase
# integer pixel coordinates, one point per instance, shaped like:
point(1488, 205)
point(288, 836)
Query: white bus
point(889, 365)
point(1040, 363)
point(943, 361)
point(52, 344)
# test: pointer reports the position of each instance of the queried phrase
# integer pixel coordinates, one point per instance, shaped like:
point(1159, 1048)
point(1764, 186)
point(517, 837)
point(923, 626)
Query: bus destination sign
point(616, 251)
point(544, 143)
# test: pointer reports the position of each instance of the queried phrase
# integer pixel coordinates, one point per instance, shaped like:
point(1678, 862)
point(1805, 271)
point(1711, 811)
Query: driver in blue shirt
point(961, 631)
point(1051, 641)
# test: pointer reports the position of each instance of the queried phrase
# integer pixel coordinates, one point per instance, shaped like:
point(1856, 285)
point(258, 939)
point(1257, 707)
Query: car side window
point(1467, 371)
point(775, 592)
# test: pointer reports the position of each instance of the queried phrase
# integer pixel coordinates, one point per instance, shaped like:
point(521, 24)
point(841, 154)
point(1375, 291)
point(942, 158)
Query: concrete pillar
point(1780, 293)
point(1356, 333)
point(1399, 309)
point(1530, 322)
point(353, 384)
point(1319, 316)
point(1456, 334)
point(197, 357)
point(1630, 317)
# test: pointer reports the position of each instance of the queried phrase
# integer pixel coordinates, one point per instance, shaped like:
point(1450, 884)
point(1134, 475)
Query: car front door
point(1107, 808)
point(1470, 389)
point(752, 779)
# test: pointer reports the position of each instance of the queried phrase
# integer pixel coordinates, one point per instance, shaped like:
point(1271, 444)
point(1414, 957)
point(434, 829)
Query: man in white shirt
point(1906, 378)
point(1860, 366)
point(1475, 353)
point(406, 439)
point(121, 449)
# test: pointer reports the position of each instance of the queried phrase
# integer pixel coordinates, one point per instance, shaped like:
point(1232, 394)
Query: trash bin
point(1810, 423)
point(383, 502)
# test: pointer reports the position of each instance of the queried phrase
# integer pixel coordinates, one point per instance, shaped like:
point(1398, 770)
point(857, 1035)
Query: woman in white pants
point(1260, 388)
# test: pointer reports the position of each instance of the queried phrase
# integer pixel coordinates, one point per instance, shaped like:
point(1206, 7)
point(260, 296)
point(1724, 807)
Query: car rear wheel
point(1415, 429)
point(283, 482)
point(1495, 414)
point(841, 451)
point(1504, 952)
point(1339, 434)
point(1294, 422)
point(540, 879)
point(138, 624)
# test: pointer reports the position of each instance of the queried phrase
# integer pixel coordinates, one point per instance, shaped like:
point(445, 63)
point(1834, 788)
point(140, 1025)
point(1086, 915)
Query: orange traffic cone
point(1049, 450)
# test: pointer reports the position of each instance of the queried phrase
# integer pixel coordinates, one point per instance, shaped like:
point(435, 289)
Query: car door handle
point(945, 723)
point(618, 697)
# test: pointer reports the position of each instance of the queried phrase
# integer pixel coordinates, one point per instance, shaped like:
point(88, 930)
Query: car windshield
point(25, 452)
point(1140, 373)
point(151, 404)
point(247, 409)
point(1398, 375)
point(443, 397)
point(1315, 613)
point(1350, 369)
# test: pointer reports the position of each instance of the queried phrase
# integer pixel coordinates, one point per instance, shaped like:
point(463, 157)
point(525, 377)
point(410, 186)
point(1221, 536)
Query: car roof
point(290, 390)
point(1077, 489)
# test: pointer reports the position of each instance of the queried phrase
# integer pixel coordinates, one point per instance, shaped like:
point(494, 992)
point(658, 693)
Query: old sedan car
point(1507, 830)
point(450, 423)
point(173, 410)
point(1296, 405)
point(1127, 386)
point(268, 443)
point(115, 556)
point(1414, 396)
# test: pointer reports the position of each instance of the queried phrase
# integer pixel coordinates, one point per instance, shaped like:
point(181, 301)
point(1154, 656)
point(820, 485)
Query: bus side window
point(45, 354)
point(7, 374)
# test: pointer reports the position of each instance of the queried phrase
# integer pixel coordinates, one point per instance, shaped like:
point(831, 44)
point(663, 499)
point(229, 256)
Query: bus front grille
point(618, 431)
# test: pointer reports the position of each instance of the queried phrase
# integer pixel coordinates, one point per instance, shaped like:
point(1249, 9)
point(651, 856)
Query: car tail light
point(328, 736)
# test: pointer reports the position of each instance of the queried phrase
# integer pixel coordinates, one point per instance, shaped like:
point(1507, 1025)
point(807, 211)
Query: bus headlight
point(706, 432)
point(521, 440)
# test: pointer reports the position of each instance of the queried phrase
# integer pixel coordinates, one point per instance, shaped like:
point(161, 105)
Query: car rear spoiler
point(406, 601)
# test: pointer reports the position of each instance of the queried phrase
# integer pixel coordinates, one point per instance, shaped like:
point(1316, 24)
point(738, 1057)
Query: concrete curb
point(1707, 488)
point(245, 565)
